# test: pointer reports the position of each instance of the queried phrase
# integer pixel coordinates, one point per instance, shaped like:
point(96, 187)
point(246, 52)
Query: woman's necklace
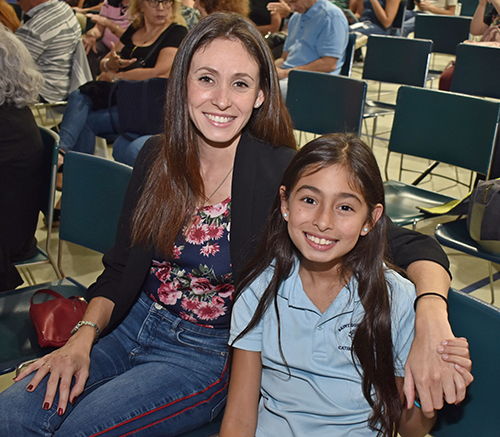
point(220, 185)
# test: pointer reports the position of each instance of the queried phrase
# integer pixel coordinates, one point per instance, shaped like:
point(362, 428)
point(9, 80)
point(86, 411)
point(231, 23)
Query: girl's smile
point(326, 216)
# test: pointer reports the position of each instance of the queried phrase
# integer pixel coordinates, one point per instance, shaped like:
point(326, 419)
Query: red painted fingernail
point(60, 412)
point(46, 406)
point(72, 400)
point(30, 387)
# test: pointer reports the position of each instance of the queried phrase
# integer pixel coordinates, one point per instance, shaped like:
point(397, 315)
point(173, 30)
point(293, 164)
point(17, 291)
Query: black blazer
point(258, 169)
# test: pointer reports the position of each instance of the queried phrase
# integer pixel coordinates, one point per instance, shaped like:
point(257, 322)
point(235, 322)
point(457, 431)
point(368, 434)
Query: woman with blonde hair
point(146, 49)
point(21, 152)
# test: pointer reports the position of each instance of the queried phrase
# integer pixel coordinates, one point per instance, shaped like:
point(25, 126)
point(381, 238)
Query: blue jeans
point(81, 124)
point(154, 375)
point(126, 151)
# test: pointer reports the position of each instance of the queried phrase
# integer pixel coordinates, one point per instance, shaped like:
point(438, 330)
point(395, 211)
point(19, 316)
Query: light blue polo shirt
point(322, 396)
point(322, 31)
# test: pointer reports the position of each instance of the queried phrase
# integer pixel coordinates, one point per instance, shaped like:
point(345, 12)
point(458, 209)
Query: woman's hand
point(98, 19)
point(282, 8)
point(71, 360)
point(113, 62)
point(89, 42)
point(427, 370)
point(108, 76)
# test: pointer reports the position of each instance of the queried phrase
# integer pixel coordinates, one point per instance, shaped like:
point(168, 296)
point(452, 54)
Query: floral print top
point(196, 284)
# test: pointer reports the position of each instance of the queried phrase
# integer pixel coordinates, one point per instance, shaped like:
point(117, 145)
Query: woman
point(163, 301)
point(207, 7)
point(21, 153)
point(375, 16)
point(110, 24)
point(151, 42)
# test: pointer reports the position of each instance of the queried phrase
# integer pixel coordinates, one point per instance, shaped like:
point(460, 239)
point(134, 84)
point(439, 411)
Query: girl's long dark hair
point(174, 185)
point(372, 343)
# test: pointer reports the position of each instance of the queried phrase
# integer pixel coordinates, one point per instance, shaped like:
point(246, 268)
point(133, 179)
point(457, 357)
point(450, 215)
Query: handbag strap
point(47, 291)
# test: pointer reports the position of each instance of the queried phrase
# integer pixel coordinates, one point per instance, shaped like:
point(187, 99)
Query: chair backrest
point(446, 31)
point(477, 415)
point(468, 7)
point(349, 56)
point(92, 199)
point(399, 20)
point(452, 128)
point(397, 60)
point(50, 153)
point(324, 103)
point(475, 69)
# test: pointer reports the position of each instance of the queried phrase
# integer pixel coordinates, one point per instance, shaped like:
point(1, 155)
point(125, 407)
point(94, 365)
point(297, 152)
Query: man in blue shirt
point(317, 39)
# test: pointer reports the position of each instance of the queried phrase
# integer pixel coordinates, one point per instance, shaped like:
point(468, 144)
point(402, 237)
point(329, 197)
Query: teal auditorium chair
point(478, 415)
point(50, 153)
point(349, 56)
point(94, 189)
point(323, 103)
point(442, 127)
point(446, 32)
point(93, 194)
point(456, 236)
point(396, 60)
point(474, 65)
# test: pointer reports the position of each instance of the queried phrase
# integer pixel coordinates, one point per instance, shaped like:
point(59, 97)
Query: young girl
point(321, 325)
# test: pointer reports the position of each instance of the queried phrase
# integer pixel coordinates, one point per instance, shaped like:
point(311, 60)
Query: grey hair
point(20, 79)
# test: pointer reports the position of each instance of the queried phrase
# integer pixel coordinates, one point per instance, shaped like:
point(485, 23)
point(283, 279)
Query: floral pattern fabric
point(196, 284)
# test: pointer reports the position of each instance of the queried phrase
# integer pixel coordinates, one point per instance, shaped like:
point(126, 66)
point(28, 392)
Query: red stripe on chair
point(166, 405)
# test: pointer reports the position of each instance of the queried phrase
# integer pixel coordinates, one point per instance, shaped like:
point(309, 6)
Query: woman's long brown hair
point(372, 343)
point(174, 185)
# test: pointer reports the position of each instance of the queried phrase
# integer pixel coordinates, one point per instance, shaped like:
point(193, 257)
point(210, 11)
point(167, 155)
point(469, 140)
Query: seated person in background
point(154, 21)
point(8, 16)
point(207, 7)
point(317, 40)
point(486, 24)
point(438, 7)
point(50, 35)
point(375, 16)
point(111, 23)
point(21, 157)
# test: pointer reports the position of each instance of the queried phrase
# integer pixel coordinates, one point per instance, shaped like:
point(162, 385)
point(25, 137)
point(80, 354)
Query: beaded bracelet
point(430, 294)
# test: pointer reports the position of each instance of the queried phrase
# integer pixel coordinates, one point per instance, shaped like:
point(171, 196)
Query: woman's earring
point(365, 230)
point(285, 215)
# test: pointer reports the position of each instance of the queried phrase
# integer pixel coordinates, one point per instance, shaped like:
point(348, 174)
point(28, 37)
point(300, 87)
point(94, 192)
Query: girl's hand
point(71, 360)
point(456, 351)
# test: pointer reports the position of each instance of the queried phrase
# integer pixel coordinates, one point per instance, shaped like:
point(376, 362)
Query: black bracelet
point(430, 294)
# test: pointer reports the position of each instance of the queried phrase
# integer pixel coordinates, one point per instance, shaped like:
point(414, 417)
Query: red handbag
point(55, 318)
